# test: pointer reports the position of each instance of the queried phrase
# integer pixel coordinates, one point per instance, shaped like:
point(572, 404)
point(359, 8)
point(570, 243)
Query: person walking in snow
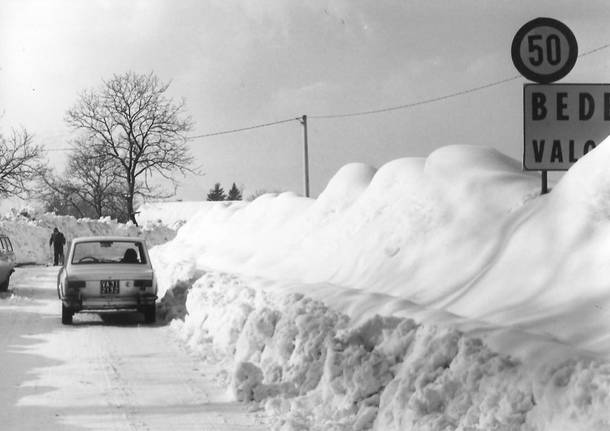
point(57, 241)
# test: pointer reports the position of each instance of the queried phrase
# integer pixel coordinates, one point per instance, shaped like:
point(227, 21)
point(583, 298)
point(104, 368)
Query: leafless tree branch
point(137, 126)
point(20, 162)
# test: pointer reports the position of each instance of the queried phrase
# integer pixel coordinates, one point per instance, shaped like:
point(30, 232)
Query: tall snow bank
point(314, 371)
point(492, 301)
point(550, 273)
point(402, 214)
point(30, 233)
point(463, 230)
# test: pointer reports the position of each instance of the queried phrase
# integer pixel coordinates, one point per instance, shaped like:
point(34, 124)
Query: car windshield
point(108, 252)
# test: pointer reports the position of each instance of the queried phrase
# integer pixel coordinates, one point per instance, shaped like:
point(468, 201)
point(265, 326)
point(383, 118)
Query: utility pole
point(306, 154)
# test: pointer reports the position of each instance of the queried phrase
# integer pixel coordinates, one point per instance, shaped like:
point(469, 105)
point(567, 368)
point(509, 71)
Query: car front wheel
point(66, 315)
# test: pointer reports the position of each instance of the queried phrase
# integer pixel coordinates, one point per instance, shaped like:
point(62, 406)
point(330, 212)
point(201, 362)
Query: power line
point(439, 98)
point(375, 111)
point(418, 103)
point(224, 132)
point(242, 129)
point(594, 50)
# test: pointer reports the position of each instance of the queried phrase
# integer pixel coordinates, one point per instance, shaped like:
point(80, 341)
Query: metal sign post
point(544, 187)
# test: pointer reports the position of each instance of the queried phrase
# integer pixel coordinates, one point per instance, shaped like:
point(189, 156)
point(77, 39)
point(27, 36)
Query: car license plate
point(109, 287)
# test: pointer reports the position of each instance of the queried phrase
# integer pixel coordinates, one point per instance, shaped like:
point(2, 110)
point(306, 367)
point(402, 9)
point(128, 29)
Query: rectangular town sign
point(562, 122)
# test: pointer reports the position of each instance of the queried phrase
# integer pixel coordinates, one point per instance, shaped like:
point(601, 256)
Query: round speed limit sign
point(544, 50)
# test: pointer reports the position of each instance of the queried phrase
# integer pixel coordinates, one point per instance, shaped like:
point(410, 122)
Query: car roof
point(107, 238)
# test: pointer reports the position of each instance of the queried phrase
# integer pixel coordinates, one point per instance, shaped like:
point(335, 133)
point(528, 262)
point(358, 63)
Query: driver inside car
point(130, 256)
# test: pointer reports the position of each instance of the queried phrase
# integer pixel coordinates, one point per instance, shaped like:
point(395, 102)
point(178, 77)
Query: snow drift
point(313, 370)
point(172, 214)
point(440, 293)
point(30, 232)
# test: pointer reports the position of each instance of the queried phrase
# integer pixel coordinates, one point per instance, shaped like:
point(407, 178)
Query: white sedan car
point(107, 274)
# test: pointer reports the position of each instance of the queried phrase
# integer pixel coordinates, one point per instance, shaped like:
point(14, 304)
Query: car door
point(61, 275)
point(5, 261)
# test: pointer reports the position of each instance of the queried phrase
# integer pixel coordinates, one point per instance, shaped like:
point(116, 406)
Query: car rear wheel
point(150, 313)
point(4, 284)
point(66, 315)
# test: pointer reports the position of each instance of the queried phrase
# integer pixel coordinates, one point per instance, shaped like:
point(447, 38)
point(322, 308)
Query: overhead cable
point(225, 132)
point(418, 103)
point(594, 50)
point(439, 98)
point(377, 111)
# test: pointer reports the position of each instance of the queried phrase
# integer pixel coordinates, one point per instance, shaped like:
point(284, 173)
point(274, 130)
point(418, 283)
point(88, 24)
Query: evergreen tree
point(234, 194)
point(217, 193)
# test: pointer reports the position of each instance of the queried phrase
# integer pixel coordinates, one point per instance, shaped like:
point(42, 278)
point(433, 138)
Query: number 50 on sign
point(544, 50)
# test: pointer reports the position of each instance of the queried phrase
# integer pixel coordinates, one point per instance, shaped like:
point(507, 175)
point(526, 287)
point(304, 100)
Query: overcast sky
point(244, 63)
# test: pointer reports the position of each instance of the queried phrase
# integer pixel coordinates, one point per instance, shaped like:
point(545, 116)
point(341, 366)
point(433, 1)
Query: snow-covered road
point(113, 373)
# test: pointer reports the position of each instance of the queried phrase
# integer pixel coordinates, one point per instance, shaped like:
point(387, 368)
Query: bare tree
point(95, 178)
point(132, 121)
point(89, 186)
point(58, 197)
point(20, 162)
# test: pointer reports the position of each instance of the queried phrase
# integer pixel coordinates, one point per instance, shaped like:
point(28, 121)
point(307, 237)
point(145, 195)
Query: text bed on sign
point(562, 122)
